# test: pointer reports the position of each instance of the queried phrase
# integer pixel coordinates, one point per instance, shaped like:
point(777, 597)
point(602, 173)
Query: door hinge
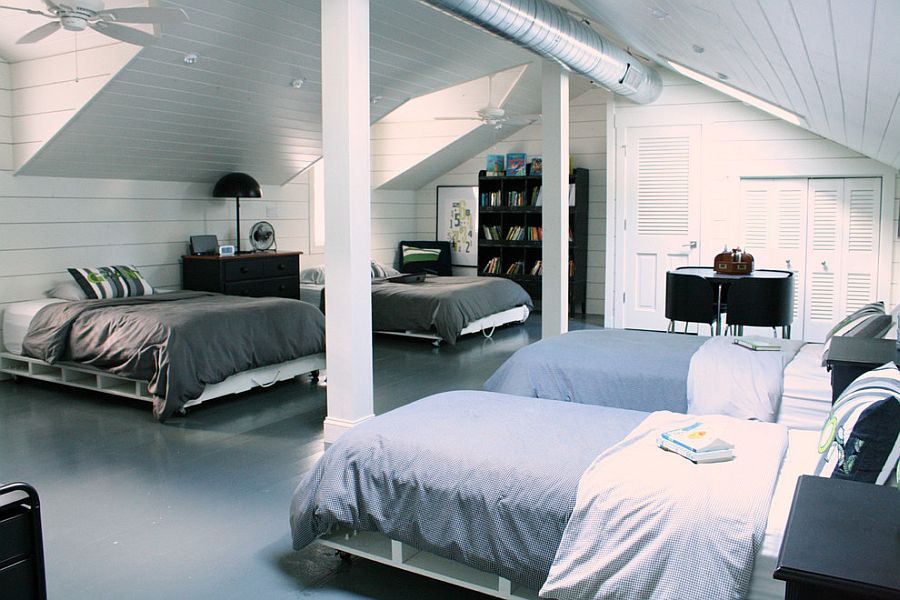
point(624, 224)
point(623, 297)
point(624, 150)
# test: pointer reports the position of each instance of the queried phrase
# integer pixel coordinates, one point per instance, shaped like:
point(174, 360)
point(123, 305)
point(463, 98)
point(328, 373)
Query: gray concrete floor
point(198, 507)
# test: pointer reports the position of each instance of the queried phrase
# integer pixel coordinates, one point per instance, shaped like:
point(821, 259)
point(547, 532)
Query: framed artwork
point(457, 222)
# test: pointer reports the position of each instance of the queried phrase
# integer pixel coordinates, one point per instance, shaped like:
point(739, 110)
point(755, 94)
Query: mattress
point(312, 293)
point(800, 459)
point(16, 319)
point(806, 400)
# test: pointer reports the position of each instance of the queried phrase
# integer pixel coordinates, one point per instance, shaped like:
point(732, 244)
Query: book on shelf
point(516, 268)
point(571, 194)
point(535, 194)
point(537, 166)
point(537, 268)
point(492, 267)
point(757, 345)
point(495, 165)
point(515, 163)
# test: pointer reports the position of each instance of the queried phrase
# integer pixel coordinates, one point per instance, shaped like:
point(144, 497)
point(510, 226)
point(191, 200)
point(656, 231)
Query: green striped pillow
point(117, 281)
point(861, 437)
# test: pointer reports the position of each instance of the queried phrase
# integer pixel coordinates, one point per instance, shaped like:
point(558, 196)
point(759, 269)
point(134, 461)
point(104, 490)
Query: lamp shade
point(237, 185)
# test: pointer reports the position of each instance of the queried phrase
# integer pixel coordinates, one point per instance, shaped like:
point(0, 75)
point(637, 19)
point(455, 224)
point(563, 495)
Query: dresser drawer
point(283, 287)
point(244, 269)
point(281, 266)
point(16, 537)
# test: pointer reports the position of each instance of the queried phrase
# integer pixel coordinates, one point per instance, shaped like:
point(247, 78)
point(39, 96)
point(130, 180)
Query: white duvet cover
point(16, 319)
point(650, 524)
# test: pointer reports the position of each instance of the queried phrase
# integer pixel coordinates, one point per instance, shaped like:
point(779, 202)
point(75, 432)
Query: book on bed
point(697, 442)
point(757, 345)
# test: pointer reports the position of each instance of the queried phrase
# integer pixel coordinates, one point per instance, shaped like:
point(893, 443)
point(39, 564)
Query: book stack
point(517, 268)
point(492, 267)
point(697, 442)
point(516, 233)
point(492, 232)
point(757, 345)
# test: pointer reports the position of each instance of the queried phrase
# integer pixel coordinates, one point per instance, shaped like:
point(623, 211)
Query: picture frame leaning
point(457, 222)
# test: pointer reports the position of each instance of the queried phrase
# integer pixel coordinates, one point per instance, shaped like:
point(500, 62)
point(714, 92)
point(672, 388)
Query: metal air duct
point(546, 29)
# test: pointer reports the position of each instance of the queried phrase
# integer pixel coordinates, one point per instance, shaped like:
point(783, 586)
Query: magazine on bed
point(756, 344)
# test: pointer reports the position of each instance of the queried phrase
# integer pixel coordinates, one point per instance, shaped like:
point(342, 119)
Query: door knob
point(825, 265)
point(787, 264)
point(692, 244)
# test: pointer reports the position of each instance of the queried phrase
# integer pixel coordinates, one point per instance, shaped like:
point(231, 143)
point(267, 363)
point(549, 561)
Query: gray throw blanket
point(177, 342)
point(445, 304)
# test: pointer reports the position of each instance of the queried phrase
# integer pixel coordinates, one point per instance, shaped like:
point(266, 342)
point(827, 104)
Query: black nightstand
point(842, 541)
point(256, 274)
point(850, 357)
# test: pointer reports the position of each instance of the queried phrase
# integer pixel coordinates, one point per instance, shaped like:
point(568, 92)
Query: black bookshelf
point(510, 232)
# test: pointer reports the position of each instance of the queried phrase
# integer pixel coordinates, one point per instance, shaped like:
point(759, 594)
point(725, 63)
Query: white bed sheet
point(16, 319)
point(800, 459)
point(806, 400)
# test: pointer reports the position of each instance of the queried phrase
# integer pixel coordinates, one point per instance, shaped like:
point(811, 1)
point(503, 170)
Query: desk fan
point(262, 236)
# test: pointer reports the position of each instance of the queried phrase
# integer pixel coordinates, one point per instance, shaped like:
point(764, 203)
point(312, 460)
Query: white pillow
point(313, 275)
point(67, 290)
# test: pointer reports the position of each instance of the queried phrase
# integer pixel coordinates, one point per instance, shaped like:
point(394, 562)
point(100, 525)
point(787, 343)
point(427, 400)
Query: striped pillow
point(868, 322)
point(412, 254)
point(861, 437)
point(111, 282)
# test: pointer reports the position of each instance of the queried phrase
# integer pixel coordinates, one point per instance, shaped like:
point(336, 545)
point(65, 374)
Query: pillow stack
point(861, 438)
point(117, 281)
point(870, 321)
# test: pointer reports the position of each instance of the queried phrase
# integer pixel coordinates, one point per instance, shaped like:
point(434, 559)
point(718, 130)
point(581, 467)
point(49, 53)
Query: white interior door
point(842, 257)
point(662, 219)
point(773, 230)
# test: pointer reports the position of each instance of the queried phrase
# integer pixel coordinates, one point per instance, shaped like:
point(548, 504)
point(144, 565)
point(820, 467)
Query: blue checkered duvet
point(482, 478)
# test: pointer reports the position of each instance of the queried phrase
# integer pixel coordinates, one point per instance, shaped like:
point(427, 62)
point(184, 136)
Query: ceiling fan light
point(73, 23)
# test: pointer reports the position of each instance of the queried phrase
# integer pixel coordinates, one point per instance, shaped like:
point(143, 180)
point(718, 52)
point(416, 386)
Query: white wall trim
point(335, 427)
point(612, 224)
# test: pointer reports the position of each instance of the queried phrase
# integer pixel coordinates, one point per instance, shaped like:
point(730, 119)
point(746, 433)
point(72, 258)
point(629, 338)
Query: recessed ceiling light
point(191, 58)
point(698, 48)
point(297, 83)
point(745, 97)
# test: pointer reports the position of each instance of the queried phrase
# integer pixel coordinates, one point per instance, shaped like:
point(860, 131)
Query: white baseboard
point(335, 427)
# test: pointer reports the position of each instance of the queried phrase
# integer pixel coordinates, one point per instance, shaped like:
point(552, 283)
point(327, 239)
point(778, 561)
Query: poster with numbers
point(457, 222)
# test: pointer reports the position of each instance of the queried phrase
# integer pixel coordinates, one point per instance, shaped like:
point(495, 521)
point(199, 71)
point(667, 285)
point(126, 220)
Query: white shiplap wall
point(587, 145)
point(740, 141)
point(5, 119)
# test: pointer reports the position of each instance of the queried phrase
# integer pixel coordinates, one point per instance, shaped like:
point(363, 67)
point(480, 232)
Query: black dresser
point(257, 274)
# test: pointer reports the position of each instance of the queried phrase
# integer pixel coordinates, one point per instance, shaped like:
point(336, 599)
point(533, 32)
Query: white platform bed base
point(484, 325)
point(74, 375)
point(377, 547)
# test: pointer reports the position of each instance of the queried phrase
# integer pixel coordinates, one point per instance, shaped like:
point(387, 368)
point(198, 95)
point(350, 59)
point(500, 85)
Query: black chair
point(762, 302)
point(21, 544)
point(441, 266)
point(689, 298)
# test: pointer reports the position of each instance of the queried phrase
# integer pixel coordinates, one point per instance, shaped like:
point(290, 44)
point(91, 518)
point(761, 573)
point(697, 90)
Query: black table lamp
point(237, 186)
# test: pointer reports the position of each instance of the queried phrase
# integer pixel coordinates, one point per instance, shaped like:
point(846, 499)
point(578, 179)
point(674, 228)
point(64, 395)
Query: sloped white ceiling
point(834, 62)
point(235, 108)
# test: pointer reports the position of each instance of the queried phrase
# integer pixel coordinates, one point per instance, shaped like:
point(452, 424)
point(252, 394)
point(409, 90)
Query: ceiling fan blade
point(142, 14)
point(53, 6)
point(124, 34)
point(30, 11)
point(36, 35)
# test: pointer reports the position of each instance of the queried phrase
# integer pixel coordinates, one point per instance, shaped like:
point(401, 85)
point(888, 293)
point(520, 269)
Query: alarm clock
point(226, 250)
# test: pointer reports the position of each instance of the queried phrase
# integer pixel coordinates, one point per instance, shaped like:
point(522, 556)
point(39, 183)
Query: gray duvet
point(643, 370)
point(178, 342)
point(489, 480)
point(445, 304)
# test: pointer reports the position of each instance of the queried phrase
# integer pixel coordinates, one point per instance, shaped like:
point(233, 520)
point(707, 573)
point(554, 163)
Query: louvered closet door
point(842, 255)
point(773, 230)
point(662, 226)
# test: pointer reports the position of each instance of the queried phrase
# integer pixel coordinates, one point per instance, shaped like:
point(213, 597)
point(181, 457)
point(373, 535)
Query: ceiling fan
point(81, 14)
point(493, 114)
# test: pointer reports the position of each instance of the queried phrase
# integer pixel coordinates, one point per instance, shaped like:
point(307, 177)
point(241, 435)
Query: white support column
point(555, 192)
point(345, 141)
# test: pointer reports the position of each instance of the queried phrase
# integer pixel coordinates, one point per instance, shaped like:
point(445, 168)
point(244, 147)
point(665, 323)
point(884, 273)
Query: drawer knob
point(281, 266)
point(243, 269)
point(282, 287)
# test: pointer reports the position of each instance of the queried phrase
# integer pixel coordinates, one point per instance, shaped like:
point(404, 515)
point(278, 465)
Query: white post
point(345, 144)
point(555, 192)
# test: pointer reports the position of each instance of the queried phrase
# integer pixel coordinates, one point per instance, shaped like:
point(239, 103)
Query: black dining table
point(721, 281)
